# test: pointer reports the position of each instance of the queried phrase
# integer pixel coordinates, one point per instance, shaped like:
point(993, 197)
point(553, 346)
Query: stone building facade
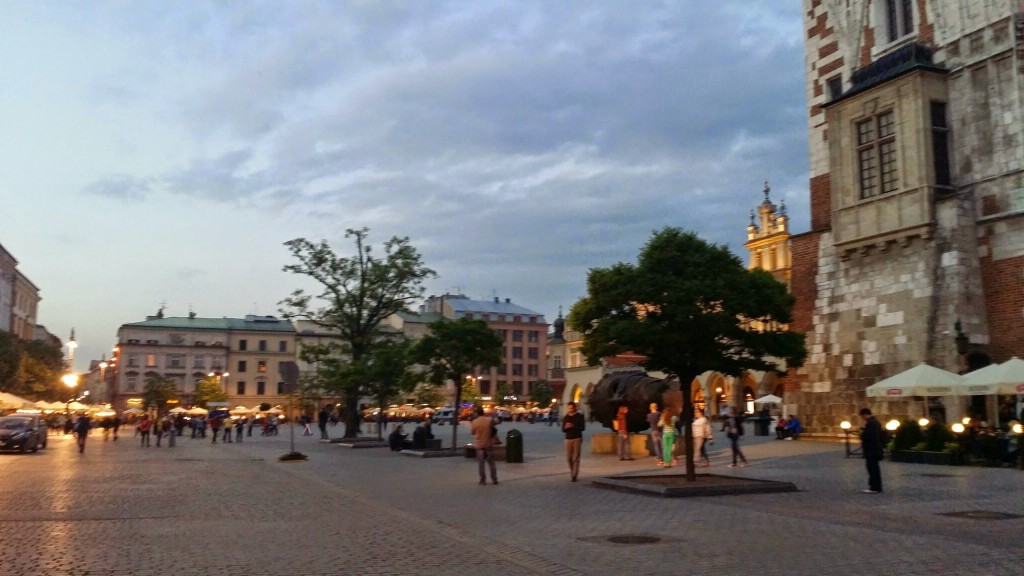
point(917, 199)
point(19, 299)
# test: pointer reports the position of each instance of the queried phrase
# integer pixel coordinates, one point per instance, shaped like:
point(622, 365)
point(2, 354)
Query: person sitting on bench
point(793, 428)
point(780, 428)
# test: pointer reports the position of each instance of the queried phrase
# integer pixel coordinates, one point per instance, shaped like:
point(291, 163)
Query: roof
point(460, 305)
point(889, 67)
point(417, 317)
point(249, 323)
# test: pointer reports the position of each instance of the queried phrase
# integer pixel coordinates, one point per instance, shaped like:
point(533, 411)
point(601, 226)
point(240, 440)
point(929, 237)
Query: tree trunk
point(455, 413)
point(687, 418)
point(352, 415)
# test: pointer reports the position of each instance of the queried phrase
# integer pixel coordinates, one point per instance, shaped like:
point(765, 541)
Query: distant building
point(185, 350)
point(19, 299)
point(525, 336)
point(258, 346)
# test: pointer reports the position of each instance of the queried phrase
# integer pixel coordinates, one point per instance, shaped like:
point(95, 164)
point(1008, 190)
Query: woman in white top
point(701, 435)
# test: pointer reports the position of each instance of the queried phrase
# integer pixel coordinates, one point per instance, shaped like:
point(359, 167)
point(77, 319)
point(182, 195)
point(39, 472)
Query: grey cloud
point(121, 187)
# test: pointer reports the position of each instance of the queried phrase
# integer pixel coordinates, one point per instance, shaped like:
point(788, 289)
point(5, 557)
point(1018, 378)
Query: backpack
point(144, 425)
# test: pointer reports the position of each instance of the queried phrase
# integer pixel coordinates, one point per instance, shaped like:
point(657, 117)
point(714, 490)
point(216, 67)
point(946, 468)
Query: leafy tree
point(542, 393)
point(209, 389)
point(502, 391)
point(452, 348)
point(688, 306)
point(389, 372)
point(158, 390)
point(427, 393)
point(30, 368)
point(356, 294)
point(470, 392)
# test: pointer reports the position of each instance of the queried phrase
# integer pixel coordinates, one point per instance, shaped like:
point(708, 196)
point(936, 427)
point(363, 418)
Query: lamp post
point(71, 381)
point(847, 427)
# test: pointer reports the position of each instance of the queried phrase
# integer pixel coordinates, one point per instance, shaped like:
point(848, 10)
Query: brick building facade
point(917, 199)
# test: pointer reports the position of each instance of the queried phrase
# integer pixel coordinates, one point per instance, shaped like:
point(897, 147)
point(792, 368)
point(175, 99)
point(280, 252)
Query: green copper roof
point(249, 323)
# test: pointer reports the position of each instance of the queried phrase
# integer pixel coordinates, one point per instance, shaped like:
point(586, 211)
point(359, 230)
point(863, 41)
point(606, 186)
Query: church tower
point(768, 239)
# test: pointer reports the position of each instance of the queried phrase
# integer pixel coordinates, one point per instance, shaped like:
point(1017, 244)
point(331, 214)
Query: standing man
point(573, 426)
point(321, 419)
point(484, 433)
point(82, 432)
point(872, 443)
point(654, 421)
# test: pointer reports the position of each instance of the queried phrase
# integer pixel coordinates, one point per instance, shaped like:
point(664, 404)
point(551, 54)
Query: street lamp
point(71, 381)
point(923, 422)
point(892, 425)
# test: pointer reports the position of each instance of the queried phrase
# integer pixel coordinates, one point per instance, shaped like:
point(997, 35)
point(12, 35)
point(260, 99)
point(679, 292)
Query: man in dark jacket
point(573, 426)
point(321, 421)
point(872, 443)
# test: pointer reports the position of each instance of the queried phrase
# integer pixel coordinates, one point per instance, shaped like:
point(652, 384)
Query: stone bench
point(498, 451)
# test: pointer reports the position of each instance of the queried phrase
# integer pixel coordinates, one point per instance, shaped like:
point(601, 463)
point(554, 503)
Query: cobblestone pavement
point(198, 508)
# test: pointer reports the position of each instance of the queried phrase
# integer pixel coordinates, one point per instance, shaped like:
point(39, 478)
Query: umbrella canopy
point(197, 411)
point(77, 406)
point(133, 411)
point(1005, 378)
point(275, 411)
point(43, 405)
point(769, 399)
point(241, 410)
point(177, 410)
point(921, 380)
point(10, 402)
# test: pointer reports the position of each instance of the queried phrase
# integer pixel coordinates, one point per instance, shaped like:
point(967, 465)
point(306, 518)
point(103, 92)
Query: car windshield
point(13, 423)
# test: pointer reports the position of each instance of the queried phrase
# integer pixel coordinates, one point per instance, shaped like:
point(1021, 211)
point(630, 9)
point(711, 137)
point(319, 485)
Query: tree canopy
point(30, 368)
point(688, 306)
point(158, 390)
point(389, 372)
point(452, 348)
point(356, 294)
point(209, 389)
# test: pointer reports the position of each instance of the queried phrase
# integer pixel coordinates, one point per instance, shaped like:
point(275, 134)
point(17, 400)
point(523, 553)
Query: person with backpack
point(734, 430)
point(82, 432)
point(143, 428)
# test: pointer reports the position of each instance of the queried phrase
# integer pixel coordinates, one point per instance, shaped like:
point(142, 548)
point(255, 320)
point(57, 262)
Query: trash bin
point(761, 425)
point(514, 446)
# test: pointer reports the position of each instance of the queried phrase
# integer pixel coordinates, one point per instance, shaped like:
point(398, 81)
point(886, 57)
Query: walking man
point(321, 420)
point(82, 432)
point(143, 429)
point(573, 426)
point(483, 440)
point(734, 430)
point(872, 444)
point(654, 421)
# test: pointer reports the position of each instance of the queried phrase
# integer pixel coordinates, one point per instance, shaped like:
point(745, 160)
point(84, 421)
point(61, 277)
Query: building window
point(200, 361)
point(533, 354)
point(243, 345)
point(899, 18)
point(485, 387)
point(242, 365)
point(940, 144)
point(531, 369)
point(263, 345)
point(150, 360)
point(175, 361)
point(556, 362)
point(133, 361)
point(280, 388)
point(517, 335)
point(517, 353)
point(517, 369)
point(575, 357)
point(533, 319)
point(533, 336)
point(132, 383)
point(261, 388)
point(282, 346)
point(240, 388)
point(502, 369)
point(835, 87)
point(261, 366)
point(517, 319)
point(501, 317)
point(876, 155)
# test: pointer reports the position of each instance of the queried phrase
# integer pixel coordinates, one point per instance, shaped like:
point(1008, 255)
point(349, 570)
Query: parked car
point(22, 432)
point(444, 415)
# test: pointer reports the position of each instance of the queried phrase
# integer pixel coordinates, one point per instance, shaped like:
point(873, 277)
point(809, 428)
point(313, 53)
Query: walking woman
point(701, 436)
point(734, 428)
point(668, 438)
point(622, 428)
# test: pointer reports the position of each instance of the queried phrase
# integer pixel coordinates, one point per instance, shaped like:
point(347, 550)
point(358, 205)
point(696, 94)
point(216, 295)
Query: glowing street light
point(892, 425)
point(923, 422)
point(958, 428)
point(71, 381)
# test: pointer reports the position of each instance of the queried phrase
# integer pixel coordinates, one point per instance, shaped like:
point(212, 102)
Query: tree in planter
point(209, 390)
point(451, 349)
point(356, 294)
point(390, 373)
point(688, 307)
point(542, 393)
point(158, 390)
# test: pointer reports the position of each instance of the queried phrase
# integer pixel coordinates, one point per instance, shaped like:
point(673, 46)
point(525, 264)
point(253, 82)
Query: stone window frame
point(877, 155)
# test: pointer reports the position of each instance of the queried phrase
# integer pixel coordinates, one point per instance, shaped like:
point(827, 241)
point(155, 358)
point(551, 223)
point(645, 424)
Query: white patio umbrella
point(9, 401)
point(77, 407)
point(177, 410)
point(921, 380)
point(197, 411)
point(1005, 378)
point(769, 399)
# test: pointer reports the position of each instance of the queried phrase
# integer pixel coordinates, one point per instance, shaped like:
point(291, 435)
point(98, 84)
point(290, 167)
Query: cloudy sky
point(163, 151)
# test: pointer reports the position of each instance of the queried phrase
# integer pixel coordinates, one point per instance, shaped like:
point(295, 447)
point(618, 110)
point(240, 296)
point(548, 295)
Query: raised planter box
point(499, 451)
point(923, 457)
